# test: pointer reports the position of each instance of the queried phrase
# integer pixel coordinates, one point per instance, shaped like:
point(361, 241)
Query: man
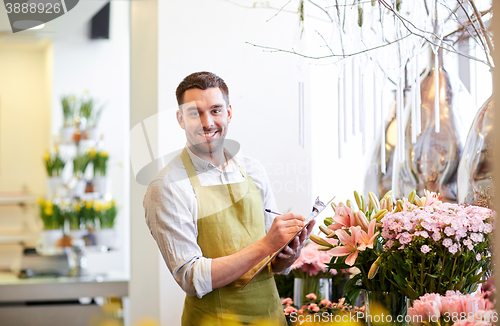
point(205, 210)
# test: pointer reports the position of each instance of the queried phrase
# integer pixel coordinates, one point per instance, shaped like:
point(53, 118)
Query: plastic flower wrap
point(433, 247)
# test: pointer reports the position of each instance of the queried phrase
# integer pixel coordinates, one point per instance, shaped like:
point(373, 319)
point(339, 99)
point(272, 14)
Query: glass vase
point(304, 286)
point(385, 308)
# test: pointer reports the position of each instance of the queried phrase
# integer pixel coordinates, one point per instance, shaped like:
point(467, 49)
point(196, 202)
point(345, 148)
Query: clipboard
point(318, 207)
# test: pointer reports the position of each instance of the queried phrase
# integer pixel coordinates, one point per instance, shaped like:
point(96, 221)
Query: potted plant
point(68, 103)
point(53, 220)
point(80, 163)
point(92, 114)
point(54, 164)
point(99, 162)
point(106, 214)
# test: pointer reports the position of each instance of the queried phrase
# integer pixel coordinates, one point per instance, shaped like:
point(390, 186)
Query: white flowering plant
point(433, 247)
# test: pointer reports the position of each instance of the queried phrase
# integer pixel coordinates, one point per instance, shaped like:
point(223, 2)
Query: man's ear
point(229, 113)
point(180, 119)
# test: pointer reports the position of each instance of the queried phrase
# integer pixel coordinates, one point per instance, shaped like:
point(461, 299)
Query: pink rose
point(287, 301)
point(314, 307)
point(289, 310)
point(311, 296)
point(325, 302)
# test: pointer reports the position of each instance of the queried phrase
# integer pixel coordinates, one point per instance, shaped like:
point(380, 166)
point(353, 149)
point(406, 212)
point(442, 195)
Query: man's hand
point(283, 229)
point(291, 252)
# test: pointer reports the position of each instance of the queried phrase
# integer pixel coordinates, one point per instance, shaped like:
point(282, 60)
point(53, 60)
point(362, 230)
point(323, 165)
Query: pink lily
point(368, 238)
point(349, 243)
point(344, 217)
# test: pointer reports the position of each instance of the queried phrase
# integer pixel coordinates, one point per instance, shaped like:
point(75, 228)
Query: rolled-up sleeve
point(170, 218)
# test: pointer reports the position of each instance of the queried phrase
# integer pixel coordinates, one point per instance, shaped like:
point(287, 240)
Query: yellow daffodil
point(113, 203)
point(107, 205)
point(78, 207)
point(40, 201)
point(89, 204)
point(92, 153)
point(46, 155)
point(98, 207)
point(56, 148)
point(103, 153)
point(48, 203)
point(48, 210)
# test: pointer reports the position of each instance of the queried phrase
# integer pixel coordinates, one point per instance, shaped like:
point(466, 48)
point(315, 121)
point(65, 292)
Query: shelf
point(16, 200)
point(18, 238)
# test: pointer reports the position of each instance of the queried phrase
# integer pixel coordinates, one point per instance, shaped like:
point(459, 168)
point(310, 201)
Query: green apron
point(231, 217)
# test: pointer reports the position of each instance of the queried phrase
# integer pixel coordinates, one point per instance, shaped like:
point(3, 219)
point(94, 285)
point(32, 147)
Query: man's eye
point(194, 114)
point(216, 111)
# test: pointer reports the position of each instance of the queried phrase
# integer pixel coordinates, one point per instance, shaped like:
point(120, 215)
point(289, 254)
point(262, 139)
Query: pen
point(270, 211)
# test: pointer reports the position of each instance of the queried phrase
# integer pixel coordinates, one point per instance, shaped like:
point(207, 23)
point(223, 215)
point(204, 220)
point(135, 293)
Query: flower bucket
point(53, 186)
point(67, 134)
point(79, 189)
point(385, 308)
point(304, 286)
point(105, 237)
point(93, 134)
point(48, 240)
point(101, 183)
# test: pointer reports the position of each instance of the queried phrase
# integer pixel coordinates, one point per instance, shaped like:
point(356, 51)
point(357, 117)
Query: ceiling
point(57, 28)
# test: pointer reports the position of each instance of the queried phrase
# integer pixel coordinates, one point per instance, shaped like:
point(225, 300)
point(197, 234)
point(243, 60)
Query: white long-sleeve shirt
point(171, 214)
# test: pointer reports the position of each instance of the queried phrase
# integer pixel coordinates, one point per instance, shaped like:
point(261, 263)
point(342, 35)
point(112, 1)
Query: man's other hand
point(291, 252)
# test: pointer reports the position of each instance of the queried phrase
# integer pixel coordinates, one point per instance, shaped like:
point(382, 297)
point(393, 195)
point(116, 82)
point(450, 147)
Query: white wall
point(103, 68)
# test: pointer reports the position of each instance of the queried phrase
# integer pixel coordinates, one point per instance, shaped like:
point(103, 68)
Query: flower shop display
point(408, 248)
point(53, 220)
point(433, 247)
point(322, 311)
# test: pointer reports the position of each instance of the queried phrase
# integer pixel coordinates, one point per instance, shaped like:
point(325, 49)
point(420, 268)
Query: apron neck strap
point(191, 172)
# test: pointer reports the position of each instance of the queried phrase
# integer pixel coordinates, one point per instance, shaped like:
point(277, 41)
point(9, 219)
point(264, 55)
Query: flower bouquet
point(357, 243)
point(433, 247)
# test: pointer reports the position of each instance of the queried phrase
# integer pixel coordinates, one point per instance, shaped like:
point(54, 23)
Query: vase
point(432, 162)
point(385, 308)
point(53, 186)
point(337, 290)
point(475, 170)
point(304, 286)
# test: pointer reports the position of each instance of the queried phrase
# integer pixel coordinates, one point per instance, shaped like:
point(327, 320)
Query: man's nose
point(207, 121)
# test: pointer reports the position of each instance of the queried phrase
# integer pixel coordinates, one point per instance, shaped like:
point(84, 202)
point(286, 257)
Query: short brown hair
point(201, 80)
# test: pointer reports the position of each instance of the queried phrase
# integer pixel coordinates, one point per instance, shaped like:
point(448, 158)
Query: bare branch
point(276, 14)
point(486, 37)
point(322, 9)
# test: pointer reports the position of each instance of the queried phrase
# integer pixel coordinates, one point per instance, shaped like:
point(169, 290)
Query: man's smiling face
point(204, 115)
